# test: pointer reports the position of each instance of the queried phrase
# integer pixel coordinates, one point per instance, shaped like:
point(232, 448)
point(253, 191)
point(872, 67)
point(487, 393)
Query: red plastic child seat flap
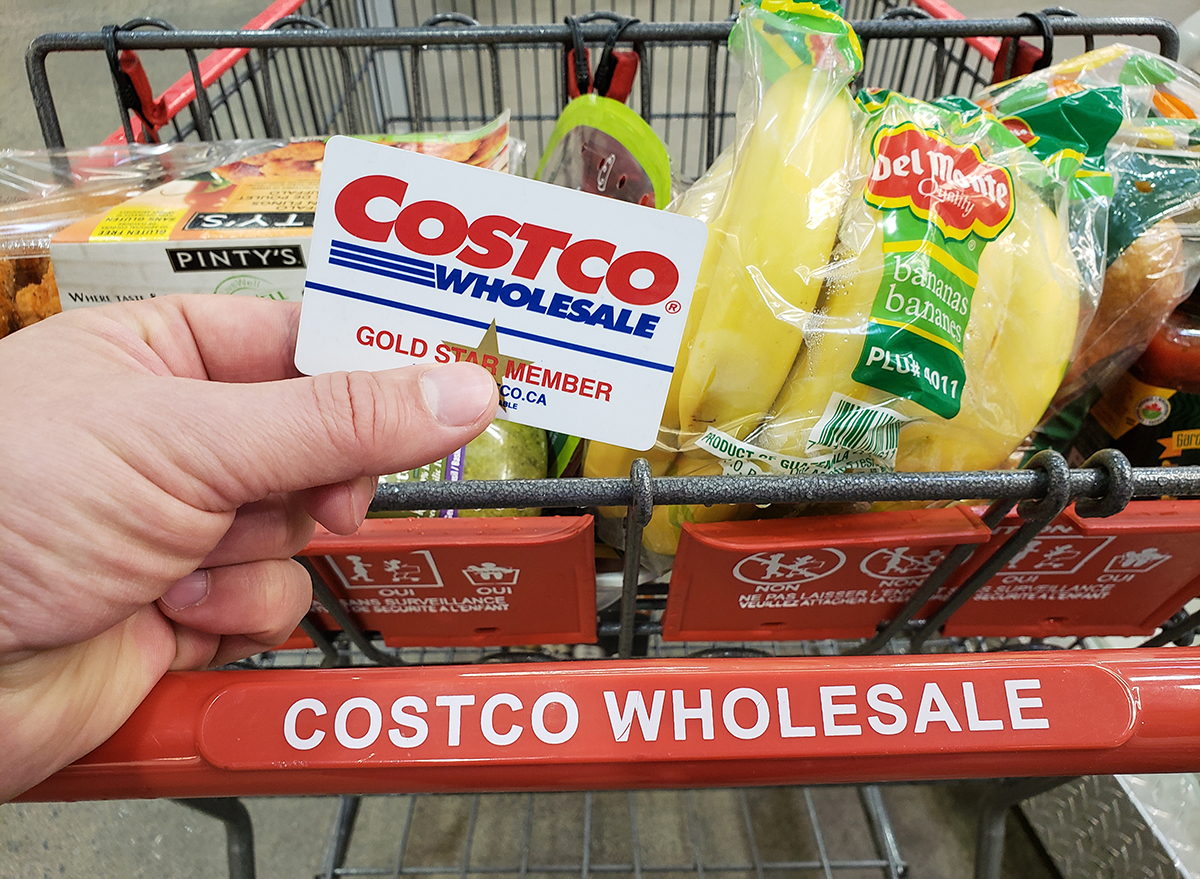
point(464, 581)
point(808, 577)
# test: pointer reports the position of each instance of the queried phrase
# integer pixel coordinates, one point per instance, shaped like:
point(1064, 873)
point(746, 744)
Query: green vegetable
point(503, 451)
point(507, 451)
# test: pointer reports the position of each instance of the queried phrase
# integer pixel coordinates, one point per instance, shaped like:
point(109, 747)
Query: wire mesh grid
point(686, 88)
point(452, 90)
point(735, 832)
point(928, 68)
point(412, 88)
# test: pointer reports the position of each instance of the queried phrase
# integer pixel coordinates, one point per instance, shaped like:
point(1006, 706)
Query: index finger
point(221, 338)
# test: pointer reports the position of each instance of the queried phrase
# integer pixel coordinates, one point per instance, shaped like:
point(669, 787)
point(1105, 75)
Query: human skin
point(161, 462)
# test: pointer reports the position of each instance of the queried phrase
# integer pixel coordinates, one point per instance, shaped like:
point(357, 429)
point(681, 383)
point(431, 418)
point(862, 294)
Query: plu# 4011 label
point(940, 204)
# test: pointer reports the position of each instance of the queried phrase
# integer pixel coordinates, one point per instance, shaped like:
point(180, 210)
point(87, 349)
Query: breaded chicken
point(8, 277)
point(301, 151)
point(291, 168)
point(30, 270)
point(8, 310)
point(455, 152)
point(35, 302)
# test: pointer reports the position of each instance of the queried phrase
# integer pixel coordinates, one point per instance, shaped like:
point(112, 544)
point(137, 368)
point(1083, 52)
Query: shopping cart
point(627, 708)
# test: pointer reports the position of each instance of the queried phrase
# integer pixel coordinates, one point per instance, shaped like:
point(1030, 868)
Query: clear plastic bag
point(949, 312)
point(601, 146)
point(505, 450)
point(44, 191)
point(889, 285)
point(772, 205)
point(1151, 255)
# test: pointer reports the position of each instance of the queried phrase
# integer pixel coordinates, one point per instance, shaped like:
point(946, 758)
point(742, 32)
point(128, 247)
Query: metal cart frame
point(300, 75)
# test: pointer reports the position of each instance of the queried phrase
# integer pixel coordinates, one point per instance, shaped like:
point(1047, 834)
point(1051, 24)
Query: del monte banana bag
point(929, 333)
point(949, 315)
point(948, 312)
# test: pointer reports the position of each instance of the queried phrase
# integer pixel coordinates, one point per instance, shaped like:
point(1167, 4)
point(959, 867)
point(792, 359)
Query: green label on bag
point(780, 34)
point(941, 203)
point(1151, 186)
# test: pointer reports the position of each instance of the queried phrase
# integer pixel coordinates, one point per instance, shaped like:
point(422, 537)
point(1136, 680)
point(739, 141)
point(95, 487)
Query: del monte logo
point(940, 182)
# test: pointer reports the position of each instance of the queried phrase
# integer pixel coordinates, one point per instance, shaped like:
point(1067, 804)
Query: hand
point(160, 463)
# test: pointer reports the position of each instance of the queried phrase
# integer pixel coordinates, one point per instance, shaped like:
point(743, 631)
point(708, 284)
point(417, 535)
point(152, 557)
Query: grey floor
point(790, 832)
point(934, 825)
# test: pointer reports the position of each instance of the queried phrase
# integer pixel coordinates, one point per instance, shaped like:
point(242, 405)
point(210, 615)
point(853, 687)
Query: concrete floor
point(158, 838)
point(934, 824)
point(83, 90)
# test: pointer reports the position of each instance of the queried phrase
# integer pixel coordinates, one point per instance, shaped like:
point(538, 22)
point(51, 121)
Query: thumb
point(299, 433)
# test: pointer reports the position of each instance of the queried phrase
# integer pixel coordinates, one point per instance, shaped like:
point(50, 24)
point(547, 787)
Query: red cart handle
point(650, 723)
point(616, 69)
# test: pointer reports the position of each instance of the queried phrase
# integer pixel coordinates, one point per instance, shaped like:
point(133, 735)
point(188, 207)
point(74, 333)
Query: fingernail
point(458, 393)
point(362, 492)
point(187, 592)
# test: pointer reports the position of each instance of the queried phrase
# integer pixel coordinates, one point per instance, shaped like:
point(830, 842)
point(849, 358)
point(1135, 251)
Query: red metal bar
point(183, 91)
point(988, 47)
point(650, 723)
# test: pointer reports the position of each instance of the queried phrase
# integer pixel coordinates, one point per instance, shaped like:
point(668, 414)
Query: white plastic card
point(575, 302)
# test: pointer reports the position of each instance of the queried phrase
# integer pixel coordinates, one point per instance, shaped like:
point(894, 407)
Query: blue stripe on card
point(398, 274)
point(350, 250)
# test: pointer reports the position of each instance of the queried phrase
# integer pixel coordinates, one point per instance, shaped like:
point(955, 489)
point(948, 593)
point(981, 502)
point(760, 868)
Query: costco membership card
point(574, 302)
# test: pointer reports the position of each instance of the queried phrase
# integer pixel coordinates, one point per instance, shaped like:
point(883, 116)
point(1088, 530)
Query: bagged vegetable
point(505, 450)
point(1151, 87)
point(1151, 414)
point(1152, 245)
point(1153, 262)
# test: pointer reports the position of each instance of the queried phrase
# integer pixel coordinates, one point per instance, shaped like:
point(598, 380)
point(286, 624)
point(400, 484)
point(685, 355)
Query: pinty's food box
point(243, 228)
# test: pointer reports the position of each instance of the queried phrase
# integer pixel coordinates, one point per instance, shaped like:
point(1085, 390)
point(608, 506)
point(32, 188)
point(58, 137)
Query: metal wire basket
point(329, 69)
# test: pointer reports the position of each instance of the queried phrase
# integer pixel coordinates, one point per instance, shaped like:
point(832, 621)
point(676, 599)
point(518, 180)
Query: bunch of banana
point(766, 250)
point(773, 218)
point(1024, 315)
point(791, 279)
